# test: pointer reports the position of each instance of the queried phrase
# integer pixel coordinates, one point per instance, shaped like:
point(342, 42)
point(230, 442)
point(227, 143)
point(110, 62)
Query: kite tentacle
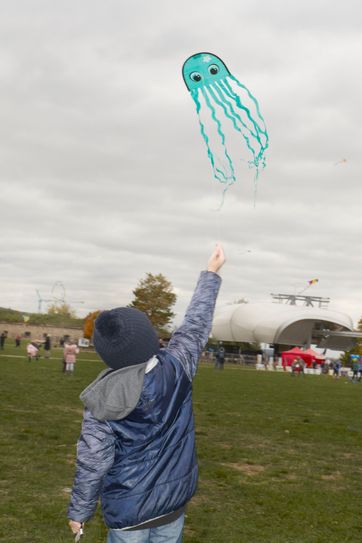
point(259, 156)
point(222, 101)
point(258, 159)
point(228, 178)
point(225, 85)
point(252, 98)
point(194, 94)
point(224, 95)
point(260, 131)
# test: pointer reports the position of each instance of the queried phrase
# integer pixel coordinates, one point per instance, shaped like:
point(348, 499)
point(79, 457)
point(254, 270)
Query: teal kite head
point(202, 69)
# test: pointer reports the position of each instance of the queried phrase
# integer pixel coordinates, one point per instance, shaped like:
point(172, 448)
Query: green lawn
point(280, 457)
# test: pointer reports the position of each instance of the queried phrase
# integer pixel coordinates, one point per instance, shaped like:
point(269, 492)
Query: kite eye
point(195, 76)
point(213, 69)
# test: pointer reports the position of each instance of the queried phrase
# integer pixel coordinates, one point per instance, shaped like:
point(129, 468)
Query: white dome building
point(284, 324)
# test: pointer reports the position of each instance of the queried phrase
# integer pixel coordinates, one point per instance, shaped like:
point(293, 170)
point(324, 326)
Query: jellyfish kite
point(222, 102)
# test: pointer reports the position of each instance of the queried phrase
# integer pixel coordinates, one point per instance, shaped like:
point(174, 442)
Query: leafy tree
point(154, 296)
point(88, 326)
point(61, 309)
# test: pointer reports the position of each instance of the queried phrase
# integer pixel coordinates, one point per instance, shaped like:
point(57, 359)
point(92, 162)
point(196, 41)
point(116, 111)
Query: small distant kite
point(342, 161)
point(219, 94)
point(310, 283)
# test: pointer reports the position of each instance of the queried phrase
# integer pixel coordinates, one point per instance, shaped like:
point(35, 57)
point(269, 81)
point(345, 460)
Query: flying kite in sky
point(310, 283)
point(342, 161)
point(217, 92)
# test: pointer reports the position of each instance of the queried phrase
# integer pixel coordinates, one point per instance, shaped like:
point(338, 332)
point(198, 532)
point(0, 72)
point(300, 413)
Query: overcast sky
point(105, 176)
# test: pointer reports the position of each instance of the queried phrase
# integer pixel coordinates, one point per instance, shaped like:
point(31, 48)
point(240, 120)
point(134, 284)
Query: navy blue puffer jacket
point(143, 466)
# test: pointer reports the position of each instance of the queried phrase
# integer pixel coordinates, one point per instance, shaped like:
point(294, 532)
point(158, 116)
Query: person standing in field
point(70, 356)
point(32, 352)
point(220, 357)
point(137, 446)
point(3, 337)
point(337, 369)
point(47, 346)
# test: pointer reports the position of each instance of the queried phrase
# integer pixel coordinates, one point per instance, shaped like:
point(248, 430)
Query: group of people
point(298, 366)
point(356, 362)
point(70, 351)
point(33, 347)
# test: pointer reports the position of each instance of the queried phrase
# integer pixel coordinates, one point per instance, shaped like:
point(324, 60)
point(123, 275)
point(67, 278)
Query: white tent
point(284, 324)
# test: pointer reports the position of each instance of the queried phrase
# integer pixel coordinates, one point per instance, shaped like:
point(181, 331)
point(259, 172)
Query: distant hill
point(11, 315)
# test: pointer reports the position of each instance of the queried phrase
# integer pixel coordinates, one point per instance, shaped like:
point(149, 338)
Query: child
point(70, 352)
point(32, 351)
point(137, 447)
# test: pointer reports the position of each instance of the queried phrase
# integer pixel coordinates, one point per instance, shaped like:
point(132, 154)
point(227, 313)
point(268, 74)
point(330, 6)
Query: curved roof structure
point(267, 322)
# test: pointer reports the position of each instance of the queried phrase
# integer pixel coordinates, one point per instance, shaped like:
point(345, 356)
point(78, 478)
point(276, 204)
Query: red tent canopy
point(288, 357)
point(318, 357)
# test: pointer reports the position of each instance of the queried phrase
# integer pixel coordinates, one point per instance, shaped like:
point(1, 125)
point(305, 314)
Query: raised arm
point(189, 340)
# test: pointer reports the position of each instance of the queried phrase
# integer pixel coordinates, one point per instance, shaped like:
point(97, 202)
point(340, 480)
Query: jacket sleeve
point(95, 455)
point(187, 343)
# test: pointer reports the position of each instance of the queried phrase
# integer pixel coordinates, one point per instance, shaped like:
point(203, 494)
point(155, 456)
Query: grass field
point(280, 457)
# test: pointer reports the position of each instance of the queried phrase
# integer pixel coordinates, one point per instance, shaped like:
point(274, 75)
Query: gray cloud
point(105, 176)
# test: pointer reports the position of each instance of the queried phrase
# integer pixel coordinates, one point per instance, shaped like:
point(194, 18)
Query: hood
point(114, 393)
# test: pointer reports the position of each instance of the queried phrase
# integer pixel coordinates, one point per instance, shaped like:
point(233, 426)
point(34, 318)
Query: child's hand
point(217, 259)
point(75, 526)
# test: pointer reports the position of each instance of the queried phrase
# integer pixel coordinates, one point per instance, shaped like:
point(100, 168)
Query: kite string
point(256, 177)
point(218, 221)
